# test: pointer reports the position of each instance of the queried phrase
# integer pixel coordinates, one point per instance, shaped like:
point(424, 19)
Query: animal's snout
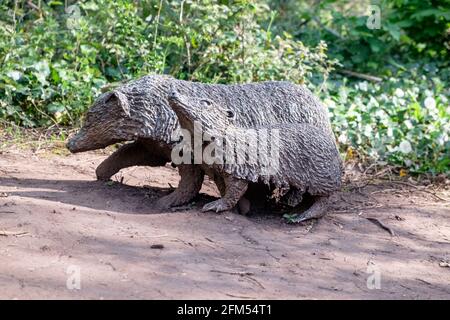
point(71, 145)
point(173, 95)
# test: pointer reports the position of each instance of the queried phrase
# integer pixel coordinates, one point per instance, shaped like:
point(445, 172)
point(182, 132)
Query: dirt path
point(57, 222)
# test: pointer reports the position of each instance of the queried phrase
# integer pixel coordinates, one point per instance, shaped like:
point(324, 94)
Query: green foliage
point(410, 50)
point(408, 29)
point(56, 59)
point(403, 120)
point(56, 56)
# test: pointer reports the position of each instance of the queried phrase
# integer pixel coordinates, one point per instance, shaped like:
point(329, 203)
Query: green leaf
point(90, 5)
point(431, 12)
point(42, 71)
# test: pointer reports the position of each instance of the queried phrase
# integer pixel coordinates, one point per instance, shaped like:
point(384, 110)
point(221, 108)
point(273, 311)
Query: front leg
point(244, 204)
point(234, 190)
point(128, 155)
point(316, 211)
point(190, 184)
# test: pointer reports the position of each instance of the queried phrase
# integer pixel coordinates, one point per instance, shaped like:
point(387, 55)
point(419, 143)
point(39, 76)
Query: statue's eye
point(230, 114)
point(205, 103)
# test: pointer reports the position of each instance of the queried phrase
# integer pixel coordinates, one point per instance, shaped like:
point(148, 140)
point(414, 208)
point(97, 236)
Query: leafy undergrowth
point(50, 140)
point(403, 121)
point(56, 57)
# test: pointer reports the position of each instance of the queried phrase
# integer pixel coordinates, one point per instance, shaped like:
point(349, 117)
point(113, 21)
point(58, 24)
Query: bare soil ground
point(56, 220)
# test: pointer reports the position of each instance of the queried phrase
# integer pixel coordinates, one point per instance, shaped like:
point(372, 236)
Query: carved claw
point(317, 211)
point(171, 200)
point(217, 206)
point(104, 171)
point(297, 218)
point(305, 216)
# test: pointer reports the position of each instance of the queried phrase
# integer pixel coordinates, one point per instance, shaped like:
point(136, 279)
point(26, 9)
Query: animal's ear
point(121, 101)
point(205, 103)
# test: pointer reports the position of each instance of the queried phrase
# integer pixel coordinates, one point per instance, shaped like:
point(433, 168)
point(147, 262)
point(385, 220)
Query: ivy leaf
point(394, 30)
point(90, 5)
point(42, 71)
point(15, 75)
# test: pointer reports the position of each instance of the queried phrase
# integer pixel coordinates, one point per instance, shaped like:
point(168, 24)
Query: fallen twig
point(384, 191)
point(356, 186)
point(360, 75)
point(420, 189)
point(330, 289)
point(141, 236)
point(352, 210)
point(12, 233)
point(240, 297)
point(255, 281)
point(381, 225)
point(246, 275)
point(435, 286)
point(423, 281)
point(242, 274)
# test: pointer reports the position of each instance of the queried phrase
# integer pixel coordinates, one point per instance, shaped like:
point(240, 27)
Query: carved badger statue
point(139, 112)
point(307, 158)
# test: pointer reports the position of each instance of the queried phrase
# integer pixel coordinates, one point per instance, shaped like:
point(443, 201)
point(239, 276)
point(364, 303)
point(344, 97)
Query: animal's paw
point(103, 175)
point(217, 206)
point(305, 216)
point(171, 200)
point(295, 218)
point(104, 172)
point(316, 211)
